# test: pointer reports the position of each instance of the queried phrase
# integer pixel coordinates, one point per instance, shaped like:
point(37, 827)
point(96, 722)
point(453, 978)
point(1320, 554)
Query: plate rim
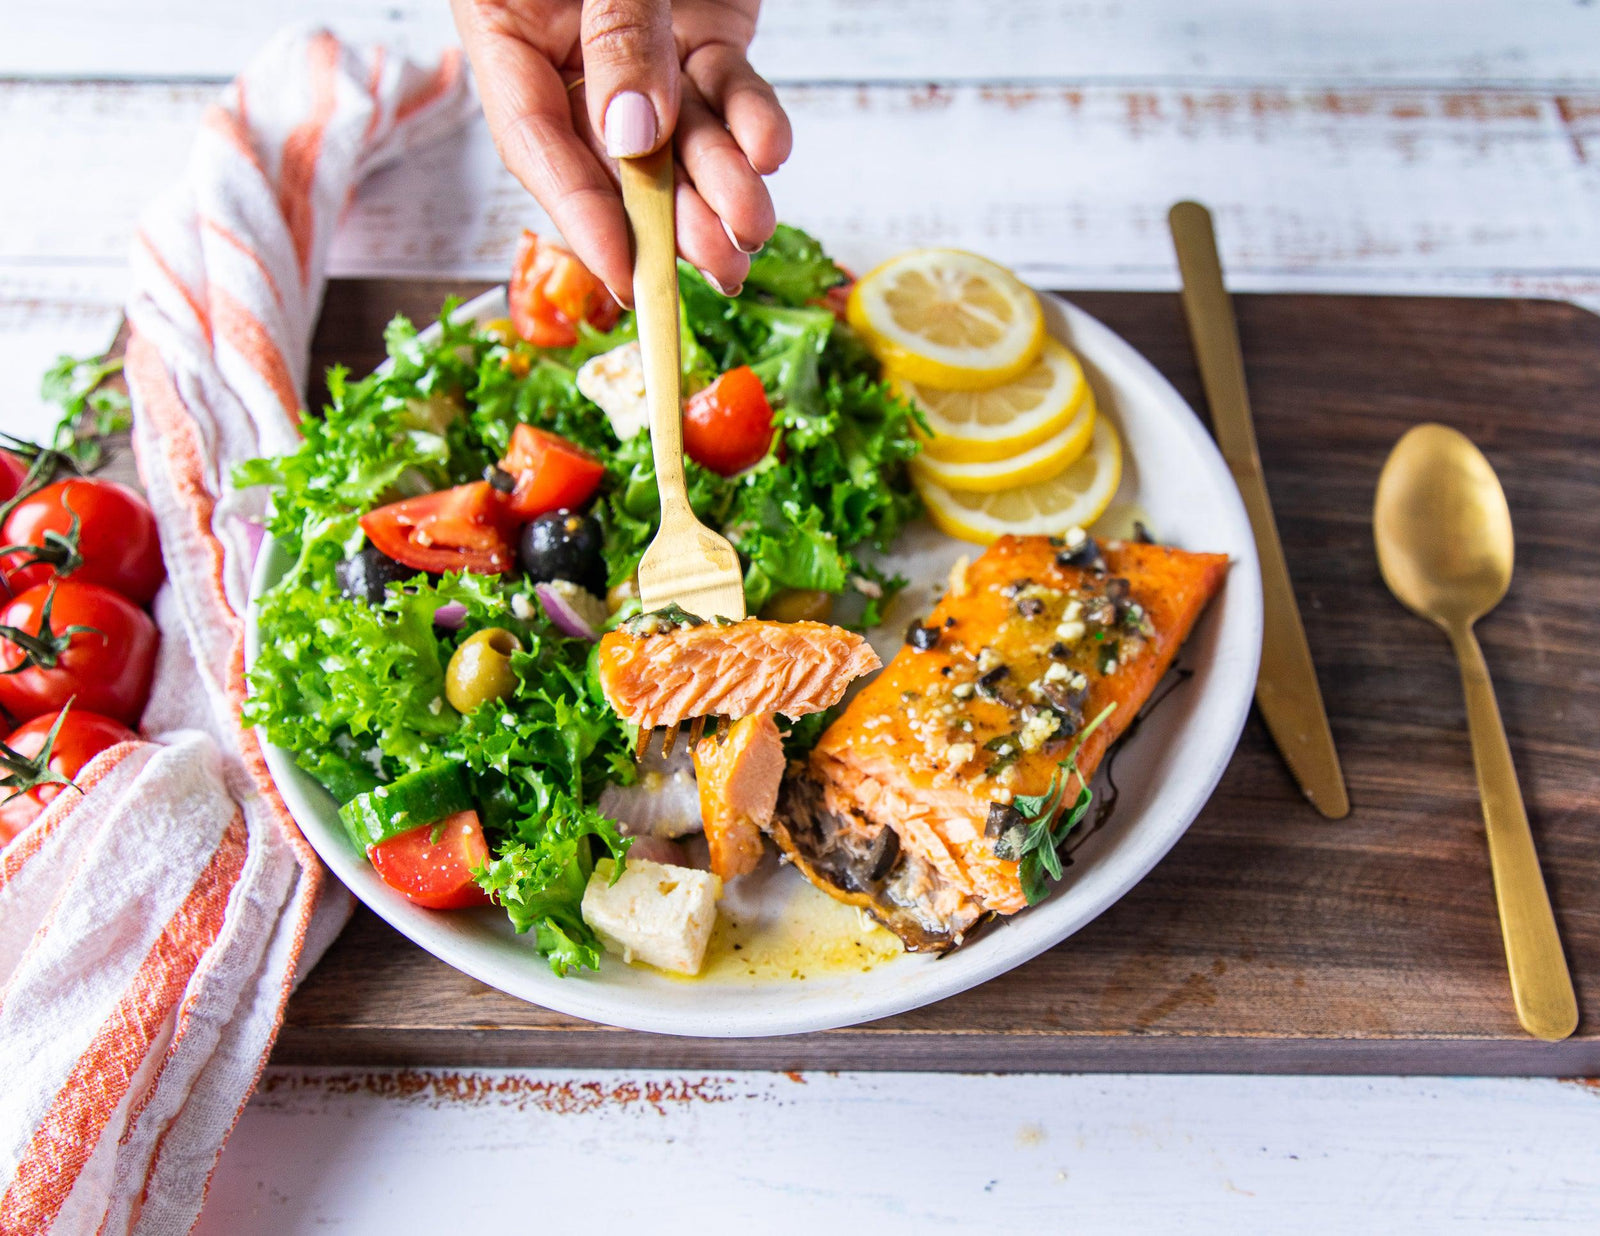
point(585, 995)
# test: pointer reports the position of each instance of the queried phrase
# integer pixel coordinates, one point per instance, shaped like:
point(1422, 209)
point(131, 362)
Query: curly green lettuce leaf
point(792, 268)
point(540, 882)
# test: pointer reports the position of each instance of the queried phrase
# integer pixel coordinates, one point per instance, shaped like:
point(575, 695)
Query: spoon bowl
point(1443, 533)
point(1443, 528)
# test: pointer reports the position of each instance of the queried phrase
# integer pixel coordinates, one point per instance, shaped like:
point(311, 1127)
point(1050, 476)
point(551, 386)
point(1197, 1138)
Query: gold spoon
point(1444, 545)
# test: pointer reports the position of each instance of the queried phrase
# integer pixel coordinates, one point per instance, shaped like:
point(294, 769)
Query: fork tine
point(641, 745)
point(697, 729)
point(669, 739)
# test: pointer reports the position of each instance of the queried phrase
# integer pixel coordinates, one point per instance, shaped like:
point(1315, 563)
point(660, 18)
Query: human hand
point(568, 86)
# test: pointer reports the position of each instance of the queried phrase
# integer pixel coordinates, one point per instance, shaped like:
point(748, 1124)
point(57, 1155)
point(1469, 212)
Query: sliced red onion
point(564, 610)
point(663, 802)
point(658, 850)
point(450, 616)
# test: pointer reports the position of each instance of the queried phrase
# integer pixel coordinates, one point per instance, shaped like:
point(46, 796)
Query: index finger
point(530, 117)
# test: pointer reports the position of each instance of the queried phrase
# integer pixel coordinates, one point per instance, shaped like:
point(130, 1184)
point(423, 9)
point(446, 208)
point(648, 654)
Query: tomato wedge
point(436, 873)
point(551, 473)
point(551, 292)
point(459, 529)
point(728, 426)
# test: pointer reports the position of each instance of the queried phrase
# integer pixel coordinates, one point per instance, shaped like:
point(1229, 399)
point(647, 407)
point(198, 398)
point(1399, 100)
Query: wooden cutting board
point(1269, 939)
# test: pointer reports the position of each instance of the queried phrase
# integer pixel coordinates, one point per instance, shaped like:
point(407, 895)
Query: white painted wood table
point(1353, 146)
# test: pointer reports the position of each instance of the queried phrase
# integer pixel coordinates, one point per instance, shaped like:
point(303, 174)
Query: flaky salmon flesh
point(738, 772)
point(734, 670)
point(896, 810)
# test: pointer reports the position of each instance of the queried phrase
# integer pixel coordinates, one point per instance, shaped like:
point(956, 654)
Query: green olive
point(480, 671)
point(797, 605)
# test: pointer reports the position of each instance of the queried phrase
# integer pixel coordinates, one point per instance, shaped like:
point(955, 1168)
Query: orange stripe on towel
point(374, 80)
point(438, 83)
point(222, 233)
point(231, 129)
point(72, 1127)
point(196, 305)
point(303, 147)
point(244, 332)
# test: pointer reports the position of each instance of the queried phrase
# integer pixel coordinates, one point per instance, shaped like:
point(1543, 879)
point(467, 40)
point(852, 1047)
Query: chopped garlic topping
point(1037, 730)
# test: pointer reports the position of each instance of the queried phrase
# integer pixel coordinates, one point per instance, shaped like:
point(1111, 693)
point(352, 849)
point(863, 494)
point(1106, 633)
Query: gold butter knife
point(1286, 689)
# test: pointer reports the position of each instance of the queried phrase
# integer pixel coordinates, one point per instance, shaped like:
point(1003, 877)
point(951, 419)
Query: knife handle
point(1215, 335)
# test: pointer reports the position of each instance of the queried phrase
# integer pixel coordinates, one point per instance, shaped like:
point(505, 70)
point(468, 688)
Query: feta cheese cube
point(655, 913)
point(614, 380)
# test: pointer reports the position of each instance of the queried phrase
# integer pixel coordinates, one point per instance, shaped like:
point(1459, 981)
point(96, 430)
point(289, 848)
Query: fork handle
point(647, 188)
point(1541, 986)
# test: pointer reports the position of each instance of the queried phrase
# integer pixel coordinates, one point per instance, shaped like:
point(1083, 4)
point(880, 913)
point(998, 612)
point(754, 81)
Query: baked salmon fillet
point(908, 794)
point(663, 669)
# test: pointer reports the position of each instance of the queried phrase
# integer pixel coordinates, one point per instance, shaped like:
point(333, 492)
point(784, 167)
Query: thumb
point(630, 72)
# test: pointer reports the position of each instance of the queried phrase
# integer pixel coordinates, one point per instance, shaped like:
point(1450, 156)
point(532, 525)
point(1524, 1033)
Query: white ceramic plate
point(1174, 475)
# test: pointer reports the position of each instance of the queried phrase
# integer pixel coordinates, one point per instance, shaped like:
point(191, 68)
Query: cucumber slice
point(407, 802)
point(341, 777)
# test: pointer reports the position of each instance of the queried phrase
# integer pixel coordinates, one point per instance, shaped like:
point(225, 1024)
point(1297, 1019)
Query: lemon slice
point(1038, 463)
point(946, 318)
point(972, 426)
point(1073, 498)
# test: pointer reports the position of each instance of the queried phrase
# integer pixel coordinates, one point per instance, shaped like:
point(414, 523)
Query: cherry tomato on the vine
point(80, 642)
point(13, 472)
point(86, 529)
point(82, 736)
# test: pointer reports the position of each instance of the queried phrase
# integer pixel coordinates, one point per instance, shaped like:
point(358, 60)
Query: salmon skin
point(663, 670)
point(905, 796)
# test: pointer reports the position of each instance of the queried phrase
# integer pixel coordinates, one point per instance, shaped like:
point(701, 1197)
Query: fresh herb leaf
point(1038, 855)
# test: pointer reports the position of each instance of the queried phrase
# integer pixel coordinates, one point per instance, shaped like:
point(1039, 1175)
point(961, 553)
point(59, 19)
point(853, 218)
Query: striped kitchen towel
point(152, 928)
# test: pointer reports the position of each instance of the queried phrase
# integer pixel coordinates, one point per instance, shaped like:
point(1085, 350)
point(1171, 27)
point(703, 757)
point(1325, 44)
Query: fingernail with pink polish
point(630, 125)
point(736, 242)
point(717, 283)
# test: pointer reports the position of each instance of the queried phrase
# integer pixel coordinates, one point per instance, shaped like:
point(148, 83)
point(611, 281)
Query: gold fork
point(687, 564)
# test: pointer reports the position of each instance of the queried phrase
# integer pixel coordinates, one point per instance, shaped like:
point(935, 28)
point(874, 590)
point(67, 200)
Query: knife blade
point(1286, 688)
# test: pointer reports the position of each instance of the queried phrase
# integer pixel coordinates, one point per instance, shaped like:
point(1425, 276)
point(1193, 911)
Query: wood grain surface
point(1268, 940)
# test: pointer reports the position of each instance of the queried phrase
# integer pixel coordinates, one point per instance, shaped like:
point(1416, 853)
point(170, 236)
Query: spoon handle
point(1541, 986)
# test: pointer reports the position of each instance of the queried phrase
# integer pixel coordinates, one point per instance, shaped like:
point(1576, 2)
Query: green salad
point(435, 505)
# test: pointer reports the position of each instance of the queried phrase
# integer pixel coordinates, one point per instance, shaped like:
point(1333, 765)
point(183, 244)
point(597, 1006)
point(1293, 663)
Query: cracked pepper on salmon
point(663, 669)
point(905, 795)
